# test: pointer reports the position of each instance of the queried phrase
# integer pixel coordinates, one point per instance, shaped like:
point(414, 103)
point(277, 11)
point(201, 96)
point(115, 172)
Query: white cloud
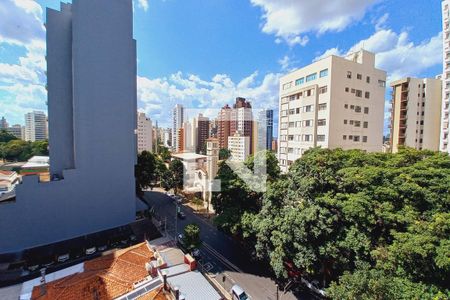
point(396, 54)
point(143, 4)
point(157, 96)
point(290, 20)
point(380, 23)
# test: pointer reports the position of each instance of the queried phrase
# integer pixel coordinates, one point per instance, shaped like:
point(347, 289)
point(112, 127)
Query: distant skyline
point(202, 54)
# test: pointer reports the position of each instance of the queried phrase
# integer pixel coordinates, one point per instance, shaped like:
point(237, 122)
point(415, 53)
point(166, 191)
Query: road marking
point(221, 258)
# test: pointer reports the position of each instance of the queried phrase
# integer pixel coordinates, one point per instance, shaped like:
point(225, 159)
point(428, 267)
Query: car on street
point(196, 254)
point(102, 248)
point(238, 293)
point(63, 257)
point(181, 215)
point(91, 250)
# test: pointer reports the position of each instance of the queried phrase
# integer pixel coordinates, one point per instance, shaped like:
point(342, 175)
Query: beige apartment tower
point(336, 102)
point(415, 113)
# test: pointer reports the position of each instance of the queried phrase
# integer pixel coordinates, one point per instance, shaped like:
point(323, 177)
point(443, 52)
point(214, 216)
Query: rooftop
point(188, 156)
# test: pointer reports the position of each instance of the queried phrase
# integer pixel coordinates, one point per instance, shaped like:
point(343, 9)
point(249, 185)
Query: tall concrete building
point(189, 140)
point(202, 128)
point(239, 146)
point(265, 129)
point(144, 133)
point(242, 120)
point(16, 130)
point(3, 123)
point(91, 73)
point(336, 102)
point(36, 126)
point(445, 108)
point(415, 113)
point(223, 128)
point(177, 123)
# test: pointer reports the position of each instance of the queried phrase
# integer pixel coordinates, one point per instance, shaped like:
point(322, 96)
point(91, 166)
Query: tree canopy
point(364, 225)
point(19, 150)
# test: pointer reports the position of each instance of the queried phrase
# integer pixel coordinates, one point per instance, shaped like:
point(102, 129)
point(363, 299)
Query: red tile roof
point(103, 278)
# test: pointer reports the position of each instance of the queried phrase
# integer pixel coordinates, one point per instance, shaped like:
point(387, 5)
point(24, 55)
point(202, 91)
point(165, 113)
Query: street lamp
point(277, 290)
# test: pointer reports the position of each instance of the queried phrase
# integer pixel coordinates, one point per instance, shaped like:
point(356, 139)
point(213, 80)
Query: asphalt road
point(221, 255)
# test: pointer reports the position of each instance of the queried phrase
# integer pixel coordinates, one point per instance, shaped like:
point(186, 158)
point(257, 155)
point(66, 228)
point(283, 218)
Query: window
point(345, 122)
point(292, 98)
point(351, 122)
point(311, 77)
point(367, 95)
point(344, 137)
point(366, 110)
point(323, 73)
point(300, 81)
point(346, 106)
point(356, 138)
point(382, 83)
point(321, 122)
point(297, 110)
point(291, 124)
point(322, 106)
point(309, 93)
point(358, 109)
point(357, 123)
point(290, 150)
point(349, 75)
point(358, 93)
point(352, 107)
point(368, 79)
point(347, 89)
point(359, 76)
point(287, 85)
point(290, 137)
point(323, 90)
point(307, 137)
point(284, 113)
point(298, 124)
point(321, 138)
point(350, 137)
point(364, 139)
point(353, 91)
point(307, 123)
point(366, 125)
point(308, 108)
point(292, 111)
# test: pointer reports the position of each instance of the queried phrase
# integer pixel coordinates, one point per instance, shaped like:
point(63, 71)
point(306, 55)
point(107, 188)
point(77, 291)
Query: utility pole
point(277, 291)
point(176, 220)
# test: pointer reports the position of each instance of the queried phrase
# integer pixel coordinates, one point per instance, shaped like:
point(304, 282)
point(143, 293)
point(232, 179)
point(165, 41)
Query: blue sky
point(204, 53)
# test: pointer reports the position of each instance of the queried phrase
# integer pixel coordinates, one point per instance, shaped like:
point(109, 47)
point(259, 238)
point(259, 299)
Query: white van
point(237, 293)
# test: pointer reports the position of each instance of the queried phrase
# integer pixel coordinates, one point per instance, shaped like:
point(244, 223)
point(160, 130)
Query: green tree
point(191, 237)
point(5, 136)
point(224, 153)
point(164, 153)
point(146, 170)
point(174, 177)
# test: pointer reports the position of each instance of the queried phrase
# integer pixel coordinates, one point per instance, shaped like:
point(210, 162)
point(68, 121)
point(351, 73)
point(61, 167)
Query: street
point(221, 255)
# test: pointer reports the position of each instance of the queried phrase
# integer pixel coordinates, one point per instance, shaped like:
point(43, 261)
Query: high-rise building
point(91, 74)
point(35, 126)
point(189, 136)
point(445, 106)
point(167, 141)
point(335, 102)
point(223, 131)
point(3, 123)
point(242, 120)
point(239, 146)
point(202, 133)
point(177, 123)
point(415, 113)
point(15, 130)
point(144, 133)
point(180, 140)
point(265, 129)
point(275, 145)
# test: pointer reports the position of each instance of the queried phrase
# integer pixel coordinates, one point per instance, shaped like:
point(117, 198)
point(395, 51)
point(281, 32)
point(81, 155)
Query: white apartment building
point(144, 133)
point(190, 136)
point(445, 110)
point(36, 126)
point(239, 146)
point(415, 113)
point(336, 102)
point(177, 123)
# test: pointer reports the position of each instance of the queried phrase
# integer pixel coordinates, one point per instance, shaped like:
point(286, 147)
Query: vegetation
point(191, 238)
point(173, 178)
point(13, 149)
point(224, 153)
point(164, 153)
point(366, 226)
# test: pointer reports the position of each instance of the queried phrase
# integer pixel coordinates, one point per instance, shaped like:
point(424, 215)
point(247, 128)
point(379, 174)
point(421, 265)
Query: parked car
point(133, 238)
point(63, 257)
point(102, 248)
point(91, 250)
point(181, 215)
point(237, 293)
point(33, 268)
point(196, 254)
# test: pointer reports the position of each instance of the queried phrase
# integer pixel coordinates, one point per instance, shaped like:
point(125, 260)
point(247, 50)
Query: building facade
point(92, 158)
point(445, 107)
point(265, 129)
point(16, 130)
point(336, 102)
point(242, 120)
point(202, 129)
point(415, 114)
point(177, 123)
point(3, 123)
point(144, 133)
point(239, 146)
point(223, 126)
point(35, 126)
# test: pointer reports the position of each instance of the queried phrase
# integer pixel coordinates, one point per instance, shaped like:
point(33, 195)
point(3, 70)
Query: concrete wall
point(98, 192)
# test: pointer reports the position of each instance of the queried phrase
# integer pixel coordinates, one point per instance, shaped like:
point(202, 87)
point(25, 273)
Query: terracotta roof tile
point(103, 278)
